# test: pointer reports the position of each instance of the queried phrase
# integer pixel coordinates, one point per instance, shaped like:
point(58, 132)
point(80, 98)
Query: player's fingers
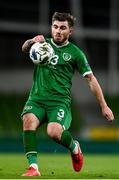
point(110, 117)
point(38, 38)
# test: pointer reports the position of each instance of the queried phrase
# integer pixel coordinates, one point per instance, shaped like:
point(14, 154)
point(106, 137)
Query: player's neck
point(60, 45)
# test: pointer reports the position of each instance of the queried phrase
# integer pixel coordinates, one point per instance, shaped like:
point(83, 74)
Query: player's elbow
point(24, 49)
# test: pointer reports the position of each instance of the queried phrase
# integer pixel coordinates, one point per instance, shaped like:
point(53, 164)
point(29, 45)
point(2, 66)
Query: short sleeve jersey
point(53, 81)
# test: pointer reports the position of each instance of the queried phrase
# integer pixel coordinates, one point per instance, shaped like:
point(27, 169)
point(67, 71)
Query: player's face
point(60, 32)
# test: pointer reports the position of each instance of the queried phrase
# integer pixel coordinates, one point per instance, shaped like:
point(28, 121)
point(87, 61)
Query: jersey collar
point(59, 46)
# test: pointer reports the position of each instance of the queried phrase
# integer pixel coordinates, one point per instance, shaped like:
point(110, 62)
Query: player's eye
point(63, 27)
point(55, 27)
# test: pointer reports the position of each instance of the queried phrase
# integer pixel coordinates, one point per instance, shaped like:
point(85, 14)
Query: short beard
point(60, 42)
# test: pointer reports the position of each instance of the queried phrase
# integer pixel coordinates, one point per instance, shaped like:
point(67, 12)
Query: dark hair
point(64, 17)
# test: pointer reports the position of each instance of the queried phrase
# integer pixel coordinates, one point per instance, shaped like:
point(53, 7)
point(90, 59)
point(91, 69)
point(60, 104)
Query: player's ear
point(71, 30)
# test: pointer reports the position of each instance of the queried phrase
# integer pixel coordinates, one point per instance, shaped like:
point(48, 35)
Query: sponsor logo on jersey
point(66, 56)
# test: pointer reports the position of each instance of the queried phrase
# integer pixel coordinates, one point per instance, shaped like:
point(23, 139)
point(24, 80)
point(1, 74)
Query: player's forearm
point(97, 91)
point(27, 44)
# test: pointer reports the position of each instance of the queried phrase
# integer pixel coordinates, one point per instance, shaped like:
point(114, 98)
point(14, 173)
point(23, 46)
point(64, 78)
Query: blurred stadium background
point(97, 33)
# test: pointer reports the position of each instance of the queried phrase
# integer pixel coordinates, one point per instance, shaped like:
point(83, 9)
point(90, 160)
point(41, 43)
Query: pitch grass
point(58, 166)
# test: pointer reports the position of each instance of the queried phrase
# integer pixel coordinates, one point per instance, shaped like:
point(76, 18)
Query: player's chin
point(58, 41)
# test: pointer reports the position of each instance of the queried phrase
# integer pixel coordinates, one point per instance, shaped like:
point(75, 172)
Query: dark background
point(16, 15)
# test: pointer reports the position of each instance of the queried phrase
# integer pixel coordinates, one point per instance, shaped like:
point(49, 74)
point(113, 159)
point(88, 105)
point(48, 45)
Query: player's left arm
point(97, 91)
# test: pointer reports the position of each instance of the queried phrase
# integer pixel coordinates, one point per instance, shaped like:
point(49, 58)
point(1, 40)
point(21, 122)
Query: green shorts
point(50, 112)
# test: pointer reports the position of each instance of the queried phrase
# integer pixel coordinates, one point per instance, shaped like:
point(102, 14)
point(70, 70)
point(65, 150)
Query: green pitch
point(58, 166)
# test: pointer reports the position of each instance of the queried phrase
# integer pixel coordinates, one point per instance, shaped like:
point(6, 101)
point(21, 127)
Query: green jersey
point(52, 82)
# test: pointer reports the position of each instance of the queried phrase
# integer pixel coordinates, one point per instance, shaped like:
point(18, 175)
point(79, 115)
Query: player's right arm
point(28, 43)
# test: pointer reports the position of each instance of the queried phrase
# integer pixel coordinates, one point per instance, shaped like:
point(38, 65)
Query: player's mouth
point(58, 37)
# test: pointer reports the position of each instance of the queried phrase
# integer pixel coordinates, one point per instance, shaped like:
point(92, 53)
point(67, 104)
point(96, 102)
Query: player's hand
point(38, 38)
point(107, 113)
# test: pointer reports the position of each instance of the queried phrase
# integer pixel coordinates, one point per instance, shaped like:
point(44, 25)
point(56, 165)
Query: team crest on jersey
point(66, 56)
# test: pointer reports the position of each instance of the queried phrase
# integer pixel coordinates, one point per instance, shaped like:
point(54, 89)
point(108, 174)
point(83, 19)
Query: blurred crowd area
point(96, 33)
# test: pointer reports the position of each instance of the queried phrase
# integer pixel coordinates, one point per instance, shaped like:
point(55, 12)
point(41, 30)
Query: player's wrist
point(103, 105)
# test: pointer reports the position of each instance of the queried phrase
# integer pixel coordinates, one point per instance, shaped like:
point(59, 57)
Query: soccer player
point(50, 96)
